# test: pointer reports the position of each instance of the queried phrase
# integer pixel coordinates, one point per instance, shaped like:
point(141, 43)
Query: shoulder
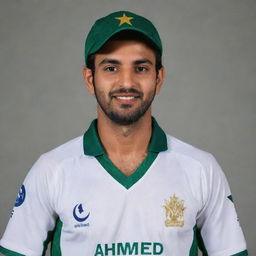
point(188, 153)
point(202, 171)
point(58, 156)
point(195, 163)
point(70, 149)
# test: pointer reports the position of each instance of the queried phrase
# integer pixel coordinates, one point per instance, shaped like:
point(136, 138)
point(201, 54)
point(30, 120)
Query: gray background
point(208, 99)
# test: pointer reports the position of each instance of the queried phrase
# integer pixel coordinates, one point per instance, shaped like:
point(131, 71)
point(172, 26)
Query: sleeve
point(220, 233)
point(33, 215)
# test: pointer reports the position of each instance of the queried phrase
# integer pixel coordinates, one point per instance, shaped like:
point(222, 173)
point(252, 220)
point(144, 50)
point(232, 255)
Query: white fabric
point(64, 178)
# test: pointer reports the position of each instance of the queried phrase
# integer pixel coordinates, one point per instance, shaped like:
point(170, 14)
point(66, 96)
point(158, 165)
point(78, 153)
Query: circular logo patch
point(20, 197)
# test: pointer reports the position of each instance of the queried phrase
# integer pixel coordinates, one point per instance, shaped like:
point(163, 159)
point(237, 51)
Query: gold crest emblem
point(174, 212)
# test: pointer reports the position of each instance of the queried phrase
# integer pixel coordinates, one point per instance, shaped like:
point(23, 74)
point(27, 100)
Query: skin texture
point(124, 69)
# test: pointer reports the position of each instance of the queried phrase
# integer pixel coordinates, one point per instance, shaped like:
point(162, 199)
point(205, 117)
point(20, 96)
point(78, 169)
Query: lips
point(124, 94)
point(125, 97)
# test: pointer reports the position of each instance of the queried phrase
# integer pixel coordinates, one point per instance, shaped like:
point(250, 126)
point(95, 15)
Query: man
point(125, 187)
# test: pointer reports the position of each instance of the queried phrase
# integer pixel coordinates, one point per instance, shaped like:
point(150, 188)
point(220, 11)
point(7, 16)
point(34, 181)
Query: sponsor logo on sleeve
point(20, 197)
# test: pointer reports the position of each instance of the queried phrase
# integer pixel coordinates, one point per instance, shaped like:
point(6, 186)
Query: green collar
point(93, 146)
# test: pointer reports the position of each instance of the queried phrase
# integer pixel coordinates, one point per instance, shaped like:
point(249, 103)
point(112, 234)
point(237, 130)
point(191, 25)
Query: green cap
point(104, 28)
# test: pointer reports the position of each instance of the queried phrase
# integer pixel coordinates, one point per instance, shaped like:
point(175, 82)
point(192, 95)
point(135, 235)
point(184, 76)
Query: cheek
point(103, 83)
point(150, 86)
point(101, 89)
point(99, 92)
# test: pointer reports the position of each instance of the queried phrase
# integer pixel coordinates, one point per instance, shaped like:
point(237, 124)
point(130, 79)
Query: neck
point(125, 140)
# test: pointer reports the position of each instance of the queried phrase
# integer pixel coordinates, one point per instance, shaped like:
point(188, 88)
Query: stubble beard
point(126, 118)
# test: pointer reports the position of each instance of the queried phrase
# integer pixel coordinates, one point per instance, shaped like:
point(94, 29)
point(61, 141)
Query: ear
point(88, 79)
point(160, 79)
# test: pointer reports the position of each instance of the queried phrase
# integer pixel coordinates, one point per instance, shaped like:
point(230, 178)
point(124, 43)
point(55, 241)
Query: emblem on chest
point(174, 212)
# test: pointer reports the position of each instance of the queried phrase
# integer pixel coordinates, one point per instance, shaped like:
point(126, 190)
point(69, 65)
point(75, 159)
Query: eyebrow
point(117, 62)
point(110, 61)
point(142, 61)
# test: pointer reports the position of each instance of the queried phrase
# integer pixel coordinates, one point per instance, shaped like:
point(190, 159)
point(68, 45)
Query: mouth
point(123, 96)
point(126, 97)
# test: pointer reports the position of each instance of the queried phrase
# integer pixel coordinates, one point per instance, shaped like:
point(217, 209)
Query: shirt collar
point(93, 147)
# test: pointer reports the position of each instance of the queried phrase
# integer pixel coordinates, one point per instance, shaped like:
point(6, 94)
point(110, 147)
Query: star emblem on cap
point(124, 19)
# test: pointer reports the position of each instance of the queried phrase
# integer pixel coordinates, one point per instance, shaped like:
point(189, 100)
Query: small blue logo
point(20, 197)
point(79, 213)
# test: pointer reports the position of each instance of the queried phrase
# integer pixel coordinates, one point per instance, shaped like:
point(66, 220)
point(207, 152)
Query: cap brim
point(97, 46)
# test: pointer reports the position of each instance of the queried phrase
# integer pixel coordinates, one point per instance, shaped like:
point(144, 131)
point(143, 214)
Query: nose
point(127, 78)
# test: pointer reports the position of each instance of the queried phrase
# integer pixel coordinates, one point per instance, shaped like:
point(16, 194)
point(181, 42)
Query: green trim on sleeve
point(9, 252)
point(55, 247)
point(47, 241)
point(194, 247)
point(243, 253)
point(53, 236)
point(197, 243)
point(201, 244)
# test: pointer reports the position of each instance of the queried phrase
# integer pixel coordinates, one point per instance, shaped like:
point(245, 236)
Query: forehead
point(126, 51)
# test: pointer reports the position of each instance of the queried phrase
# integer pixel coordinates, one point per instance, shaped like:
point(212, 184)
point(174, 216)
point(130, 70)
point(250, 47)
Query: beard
point(117, 116)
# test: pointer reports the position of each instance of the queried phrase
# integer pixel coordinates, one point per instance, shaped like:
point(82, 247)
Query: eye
point(141, 69)
point(110, 68)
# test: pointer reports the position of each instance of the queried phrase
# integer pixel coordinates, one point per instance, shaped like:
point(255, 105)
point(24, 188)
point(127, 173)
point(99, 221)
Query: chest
point(127, 164)
point(101, 215)
point(160, 201)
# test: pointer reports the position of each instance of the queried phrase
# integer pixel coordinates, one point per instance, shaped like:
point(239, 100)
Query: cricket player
point(124, 187)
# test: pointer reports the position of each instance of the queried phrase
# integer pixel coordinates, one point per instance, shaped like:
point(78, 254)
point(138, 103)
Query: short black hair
point(129, 35)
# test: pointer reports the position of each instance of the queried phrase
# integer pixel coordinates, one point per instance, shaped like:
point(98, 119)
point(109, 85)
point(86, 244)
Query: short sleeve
point(33, 215)
point(218, 223)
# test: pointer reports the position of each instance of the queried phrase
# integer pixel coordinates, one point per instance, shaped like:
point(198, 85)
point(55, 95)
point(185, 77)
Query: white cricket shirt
point(177, 199)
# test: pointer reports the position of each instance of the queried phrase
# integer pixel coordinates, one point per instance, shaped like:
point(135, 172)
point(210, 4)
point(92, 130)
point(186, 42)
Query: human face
point(125, 80)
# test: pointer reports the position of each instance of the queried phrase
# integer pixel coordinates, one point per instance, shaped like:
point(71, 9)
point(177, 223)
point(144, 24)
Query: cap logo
point(124, 19)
